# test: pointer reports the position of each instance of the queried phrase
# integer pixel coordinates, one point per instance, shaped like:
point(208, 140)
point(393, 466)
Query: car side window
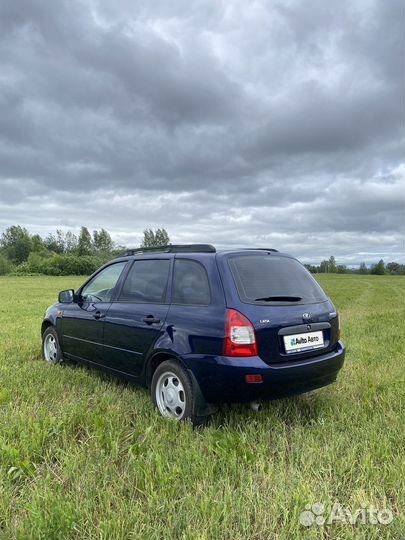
point(146, 282)
point(190, 283)
point(101, 288)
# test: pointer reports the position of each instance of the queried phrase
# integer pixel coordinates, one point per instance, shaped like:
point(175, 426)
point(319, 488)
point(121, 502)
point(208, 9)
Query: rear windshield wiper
point(279, 298)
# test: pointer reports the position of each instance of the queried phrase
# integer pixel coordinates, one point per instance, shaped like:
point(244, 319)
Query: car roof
point(196, 250)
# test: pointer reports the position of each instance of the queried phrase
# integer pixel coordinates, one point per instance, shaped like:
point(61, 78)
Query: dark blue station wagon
point(198, 326)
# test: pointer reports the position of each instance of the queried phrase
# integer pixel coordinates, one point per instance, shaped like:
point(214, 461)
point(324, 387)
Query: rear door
point(292, 316)
point(197, 310)
point(82, 322)
point(135, 319)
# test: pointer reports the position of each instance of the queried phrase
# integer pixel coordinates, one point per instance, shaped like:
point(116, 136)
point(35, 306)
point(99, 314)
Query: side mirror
point(66, 297)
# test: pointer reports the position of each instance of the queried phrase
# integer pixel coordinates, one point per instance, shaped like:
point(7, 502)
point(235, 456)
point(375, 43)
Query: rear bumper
point(222, 379)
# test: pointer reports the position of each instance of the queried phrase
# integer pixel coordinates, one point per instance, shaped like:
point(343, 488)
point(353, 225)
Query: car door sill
point(101, 366)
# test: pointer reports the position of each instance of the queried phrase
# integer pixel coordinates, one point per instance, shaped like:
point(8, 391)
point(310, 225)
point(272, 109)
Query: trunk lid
point(292, 316)
point(274, 323)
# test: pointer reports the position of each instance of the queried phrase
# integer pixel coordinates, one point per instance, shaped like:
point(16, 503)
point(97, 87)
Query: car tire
point(51, 351)
point(173, 394)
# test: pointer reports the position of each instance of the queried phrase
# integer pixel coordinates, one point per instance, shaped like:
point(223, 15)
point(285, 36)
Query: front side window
point(261, 279)
point(146, 282)
point(101, 288)
point(190, 283)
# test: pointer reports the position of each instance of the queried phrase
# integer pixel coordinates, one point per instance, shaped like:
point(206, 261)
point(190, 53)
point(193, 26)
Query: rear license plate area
point(305, 341)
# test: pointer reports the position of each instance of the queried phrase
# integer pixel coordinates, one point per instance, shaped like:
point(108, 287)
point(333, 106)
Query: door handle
point(151, 320)
point(98, 315)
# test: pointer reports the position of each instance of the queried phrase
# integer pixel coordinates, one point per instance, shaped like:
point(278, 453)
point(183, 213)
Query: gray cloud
point(237, 123)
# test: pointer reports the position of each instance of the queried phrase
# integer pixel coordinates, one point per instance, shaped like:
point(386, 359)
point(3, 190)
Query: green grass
point(83, 456)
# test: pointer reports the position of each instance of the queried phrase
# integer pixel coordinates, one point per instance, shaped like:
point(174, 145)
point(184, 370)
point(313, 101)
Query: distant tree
point(153, 239)
point(85, 244)
point(324, 267)
point(5, 265)
point(16, 243)
point(312, 268)
point(379, 268)
point(37, 243)
point(395, 269)
point(332, 268)
point(71, 242)
point(341, 269)
point(363, 268)
point(51, 243)
point(148, 238)
point(102, 241)
point(61, 242)
point(162, 237)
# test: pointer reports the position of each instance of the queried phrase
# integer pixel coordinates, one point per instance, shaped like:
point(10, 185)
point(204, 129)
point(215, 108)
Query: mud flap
point(201, 407)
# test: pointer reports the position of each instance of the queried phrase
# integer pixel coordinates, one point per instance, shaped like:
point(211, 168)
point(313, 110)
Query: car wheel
point(172, 392)
point(51, 351)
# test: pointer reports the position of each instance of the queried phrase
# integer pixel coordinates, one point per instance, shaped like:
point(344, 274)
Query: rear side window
point(146, 282)
point(264, 279)
point(190, 283)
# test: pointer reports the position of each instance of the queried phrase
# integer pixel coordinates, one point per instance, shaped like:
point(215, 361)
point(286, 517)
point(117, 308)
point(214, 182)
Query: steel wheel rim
point(170, 396)
point(50, 349)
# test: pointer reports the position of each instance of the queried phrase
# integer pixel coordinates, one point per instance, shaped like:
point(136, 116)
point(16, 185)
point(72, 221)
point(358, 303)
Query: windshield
point(264, 279)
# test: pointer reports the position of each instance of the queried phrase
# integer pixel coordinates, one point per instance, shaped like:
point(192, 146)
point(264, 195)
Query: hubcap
point(170, 396)
point(50, 349)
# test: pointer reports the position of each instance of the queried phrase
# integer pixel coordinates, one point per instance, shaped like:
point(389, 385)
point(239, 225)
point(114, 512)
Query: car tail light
point(240, 338)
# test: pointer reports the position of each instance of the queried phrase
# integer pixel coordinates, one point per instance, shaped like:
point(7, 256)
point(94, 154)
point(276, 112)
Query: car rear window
point(265, 279)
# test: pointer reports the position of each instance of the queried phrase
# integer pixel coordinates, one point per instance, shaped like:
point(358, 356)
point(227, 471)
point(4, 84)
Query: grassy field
point(83, 456)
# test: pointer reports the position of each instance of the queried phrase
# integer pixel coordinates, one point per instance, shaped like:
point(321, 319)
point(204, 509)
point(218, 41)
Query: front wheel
point(51, 351)
point(172, 392)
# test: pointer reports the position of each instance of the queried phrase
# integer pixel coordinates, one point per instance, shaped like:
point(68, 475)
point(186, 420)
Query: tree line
point(330, 266)
point(63, 252)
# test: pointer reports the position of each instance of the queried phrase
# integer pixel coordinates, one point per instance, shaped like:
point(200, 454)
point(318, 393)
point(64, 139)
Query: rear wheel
point(173, 393)
point(51, 351)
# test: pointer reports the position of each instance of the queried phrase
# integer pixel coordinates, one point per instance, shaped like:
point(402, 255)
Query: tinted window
point(265, 276)
point(190, 283)
point(146, 282)
point(101, 288)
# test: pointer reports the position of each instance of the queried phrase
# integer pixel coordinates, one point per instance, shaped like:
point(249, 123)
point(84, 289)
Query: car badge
point(306, 316)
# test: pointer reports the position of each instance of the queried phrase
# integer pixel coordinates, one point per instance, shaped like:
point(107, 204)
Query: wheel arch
point(155, 360)
point(201, 407)
point(46, 324)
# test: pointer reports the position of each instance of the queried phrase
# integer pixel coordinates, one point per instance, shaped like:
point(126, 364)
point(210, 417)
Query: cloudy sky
point(277, 123)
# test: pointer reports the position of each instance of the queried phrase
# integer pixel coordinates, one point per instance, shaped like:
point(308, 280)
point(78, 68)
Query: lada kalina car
point(198, 327)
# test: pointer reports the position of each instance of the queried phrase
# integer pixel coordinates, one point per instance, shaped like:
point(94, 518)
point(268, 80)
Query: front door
point(136, 318)
point(83, 321)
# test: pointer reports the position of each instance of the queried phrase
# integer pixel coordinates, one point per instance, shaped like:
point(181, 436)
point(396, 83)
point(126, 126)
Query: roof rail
point(175, 248)
point(262, 249)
